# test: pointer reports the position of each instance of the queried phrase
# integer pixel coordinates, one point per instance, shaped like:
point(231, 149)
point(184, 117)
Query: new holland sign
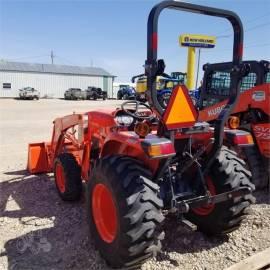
point(197, 41)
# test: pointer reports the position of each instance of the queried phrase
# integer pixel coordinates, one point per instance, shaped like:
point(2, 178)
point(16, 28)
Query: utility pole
point(52, 56)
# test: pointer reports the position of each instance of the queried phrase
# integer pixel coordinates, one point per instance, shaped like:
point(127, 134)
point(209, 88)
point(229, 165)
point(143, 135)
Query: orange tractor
point(252, 112)
point(143, 163)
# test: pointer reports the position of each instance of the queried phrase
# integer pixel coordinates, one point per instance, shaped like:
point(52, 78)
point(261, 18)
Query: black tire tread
point(260, 177)
point(72, 172)
point(229, 173)
point(142, 217)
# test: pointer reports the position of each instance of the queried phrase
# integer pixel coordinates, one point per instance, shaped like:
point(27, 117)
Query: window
point(219, 83)
point(267, 77)
point(7, 85)
point(248, 82)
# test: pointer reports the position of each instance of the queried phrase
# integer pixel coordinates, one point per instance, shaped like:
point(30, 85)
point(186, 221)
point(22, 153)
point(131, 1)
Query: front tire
point(67, 175)
point(227, 173)
point(127, 231)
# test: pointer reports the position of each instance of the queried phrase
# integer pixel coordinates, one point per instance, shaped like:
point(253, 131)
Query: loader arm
point(61, 126)
point(41, 156)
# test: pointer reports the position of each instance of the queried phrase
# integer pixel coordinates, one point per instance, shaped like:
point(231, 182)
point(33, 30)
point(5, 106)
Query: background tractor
point(180, 76)
point(142, 163)
point(164, 86)
point(252, 112)
point(126, 92)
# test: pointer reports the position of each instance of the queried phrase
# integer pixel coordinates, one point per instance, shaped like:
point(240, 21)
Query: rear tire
point(260, 174)
point(227, 173)
point(67, 175)
point(138, 212)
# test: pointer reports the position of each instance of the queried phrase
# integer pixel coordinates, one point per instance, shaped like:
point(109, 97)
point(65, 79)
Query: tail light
point(158, 147)
point(244, 139)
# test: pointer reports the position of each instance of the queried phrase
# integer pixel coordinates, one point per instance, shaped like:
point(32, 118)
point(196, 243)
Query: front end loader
point(142, 164)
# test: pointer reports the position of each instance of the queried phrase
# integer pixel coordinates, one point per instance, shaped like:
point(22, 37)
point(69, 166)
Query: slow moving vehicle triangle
point(180, 111)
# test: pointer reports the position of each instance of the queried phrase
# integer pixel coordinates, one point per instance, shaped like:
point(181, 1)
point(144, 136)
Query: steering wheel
point(136, 113)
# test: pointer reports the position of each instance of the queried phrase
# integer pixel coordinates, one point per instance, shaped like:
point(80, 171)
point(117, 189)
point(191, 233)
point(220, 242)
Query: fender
point(150, 150)
point(261, 133)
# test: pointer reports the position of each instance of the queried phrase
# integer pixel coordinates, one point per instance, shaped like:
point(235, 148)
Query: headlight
point(124, 120)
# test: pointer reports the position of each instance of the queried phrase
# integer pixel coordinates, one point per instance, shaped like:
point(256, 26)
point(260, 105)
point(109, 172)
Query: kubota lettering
point(215, 111)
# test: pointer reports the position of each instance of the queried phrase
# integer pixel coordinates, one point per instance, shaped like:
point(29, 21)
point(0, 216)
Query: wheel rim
point(207, 209)
point(104, 213)
point(60, 177)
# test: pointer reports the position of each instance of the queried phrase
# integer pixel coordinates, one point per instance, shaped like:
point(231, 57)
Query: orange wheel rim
point(104, 213)
point(207, 209)
point(60, 177)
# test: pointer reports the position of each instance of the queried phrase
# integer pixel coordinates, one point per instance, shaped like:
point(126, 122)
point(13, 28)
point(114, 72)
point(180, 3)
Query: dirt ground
point(39, 231)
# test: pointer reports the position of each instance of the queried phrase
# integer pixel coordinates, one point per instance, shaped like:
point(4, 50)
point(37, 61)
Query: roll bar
point(154, 67)
point(151, 64)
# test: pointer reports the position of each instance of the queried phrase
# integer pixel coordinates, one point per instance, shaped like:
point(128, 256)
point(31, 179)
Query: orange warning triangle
point(180, 111)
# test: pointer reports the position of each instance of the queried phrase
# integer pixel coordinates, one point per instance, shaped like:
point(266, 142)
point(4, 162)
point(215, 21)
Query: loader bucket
point(37, 158)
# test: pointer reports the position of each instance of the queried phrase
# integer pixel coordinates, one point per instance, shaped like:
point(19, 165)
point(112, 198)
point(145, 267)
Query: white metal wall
point(52, 85)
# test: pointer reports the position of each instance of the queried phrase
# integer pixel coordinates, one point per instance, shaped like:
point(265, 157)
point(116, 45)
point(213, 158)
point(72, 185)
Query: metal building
point(51, 80)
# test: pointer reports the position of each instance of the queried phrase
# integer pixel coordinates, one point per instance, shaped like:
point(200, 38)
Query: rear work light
point(158, 148)
point(234, 122)
point(142, 129)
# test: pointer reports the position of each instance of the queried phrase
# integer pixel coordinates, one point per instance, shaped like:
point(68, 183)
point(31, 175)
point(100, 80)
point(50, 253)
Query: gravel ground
point(39, 231)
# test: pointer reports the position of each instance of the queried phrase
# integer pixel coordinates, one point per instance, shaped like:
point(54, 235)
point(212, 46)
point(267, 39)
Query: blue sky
point(112, 34)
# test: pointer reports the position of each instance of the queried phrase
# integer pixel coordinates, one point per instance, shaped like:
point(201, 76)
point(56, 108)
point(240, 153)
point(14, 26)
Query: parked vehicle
point(95, 93)
point(29, 93)
point(143, 164)
point(74, 94)
point(126, 92)
point(180, 76)
point(164, 86)
point(252, 111)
